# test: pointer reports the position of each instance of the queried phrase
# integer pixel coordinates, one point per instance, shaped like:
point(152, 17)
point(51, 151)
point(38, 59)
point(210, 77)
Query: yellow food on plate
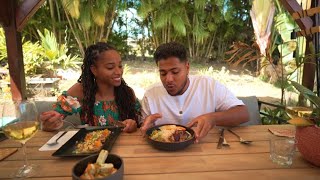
point(92, 142)
point(170, 133)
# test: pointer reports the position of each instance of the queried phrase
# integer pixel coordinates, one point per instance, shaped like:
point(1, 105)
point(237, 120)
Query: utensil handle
point(234, 133)
point(221, 137)
point(61, 135)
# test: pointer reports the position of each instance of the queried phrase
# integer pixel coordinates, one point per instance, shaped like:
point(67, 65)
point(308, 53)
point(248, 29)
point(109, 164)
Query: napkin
point(61, 141)
point(283, 132)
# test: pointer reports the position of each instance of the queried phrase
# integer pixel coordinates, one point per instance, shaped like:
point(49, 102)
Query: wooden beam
point(15, 57)
point(306, 13)
point(4, 13)
point(306, 23)
point(25, 11)
point(292, 6)
point(308, 32)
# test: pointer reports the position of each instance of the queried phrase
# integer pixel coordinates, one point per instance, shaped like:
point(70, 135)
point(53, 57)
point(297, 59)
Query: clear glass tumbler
point(282, 150)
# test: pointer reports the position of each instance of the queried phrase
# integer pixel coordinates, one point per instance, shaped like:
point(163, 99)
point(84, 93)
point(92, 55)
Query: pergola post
point(13, 18)
point(14, 53)
point(312, 66)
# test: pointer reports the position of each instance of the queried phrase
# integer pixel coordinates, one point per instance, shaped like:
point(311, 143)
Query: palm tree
point(167, 19)
point(90, 20)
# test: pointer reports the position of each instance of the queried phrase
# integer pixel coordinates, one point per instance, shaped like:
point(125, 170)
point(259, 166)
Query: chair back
point(254, 112)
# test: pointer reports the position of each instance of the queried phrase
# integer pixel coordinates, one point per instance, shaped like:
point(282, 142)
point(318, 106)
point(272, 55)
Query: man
point(192, 101)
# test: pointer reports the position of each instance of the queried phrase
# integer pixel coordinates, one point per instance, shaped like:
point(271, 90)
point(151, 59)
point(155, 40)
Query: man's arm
point(231, 117)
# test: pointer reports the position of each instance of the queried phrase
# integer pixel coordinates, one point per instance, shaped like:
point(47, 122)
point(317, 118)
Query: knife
point(220, 139)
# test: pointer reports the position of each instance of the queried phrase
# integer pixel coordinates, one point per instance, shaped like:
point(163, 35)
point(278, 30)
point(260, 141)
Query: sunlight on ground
point(140, 75)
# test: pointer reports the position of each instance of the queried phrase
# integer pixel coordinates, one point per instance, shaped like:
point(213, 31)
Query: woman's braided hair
point(124, 95)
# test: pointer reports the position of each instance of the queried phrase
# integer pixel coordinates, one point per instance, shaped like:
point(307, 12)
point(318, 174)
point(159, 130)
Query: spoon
point(56, 141)
point(240, 139)
point(225, 143)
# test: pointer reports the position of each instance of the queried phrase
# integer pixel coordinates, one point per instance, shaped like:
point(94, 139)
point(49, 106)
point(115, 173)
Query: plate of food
point(88, 141)
point(170, 137)
point(103, 166)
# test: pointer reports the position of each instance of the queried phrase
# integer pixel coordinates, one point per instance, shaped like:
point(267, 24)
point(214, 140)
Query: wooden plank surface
point(198, 161)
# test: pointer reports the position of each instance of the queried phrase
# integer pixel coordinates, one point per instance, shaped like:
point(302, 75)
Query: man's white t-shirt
point(204, 95)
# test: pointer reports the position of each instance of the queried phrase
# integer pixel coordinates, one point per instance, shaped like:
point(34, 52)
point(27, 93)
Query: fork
point(56, 141)
point(243, 141)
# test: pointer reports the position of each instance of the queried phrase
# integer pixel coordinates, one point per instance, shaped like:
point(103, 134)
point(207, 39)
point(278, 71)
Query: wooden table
point(198, 161)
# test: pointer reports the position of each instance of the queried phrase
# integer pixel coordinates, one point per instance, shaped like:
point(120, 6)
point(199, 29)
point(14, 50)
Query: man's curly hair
point(171, 49)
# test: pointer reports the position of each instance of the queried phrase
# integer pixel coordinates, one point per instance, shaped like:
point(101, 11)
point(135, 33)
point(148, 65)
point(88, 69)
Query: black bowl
point(117, 162)
point(170, 146)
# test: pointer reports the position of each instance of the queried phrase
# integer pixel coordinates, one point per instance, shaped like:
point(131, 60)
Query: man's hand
point(203, 126)
point(149, 122)
point(51, 120)
point(131, 125)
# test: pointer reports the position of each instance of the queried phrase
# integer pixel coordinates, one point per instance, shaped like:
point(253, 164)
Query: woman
point(101, 96)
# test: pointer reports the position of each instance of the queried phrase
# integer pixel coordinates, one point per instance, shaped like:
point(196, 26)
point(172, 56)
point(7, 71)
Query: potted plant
point(308, 128)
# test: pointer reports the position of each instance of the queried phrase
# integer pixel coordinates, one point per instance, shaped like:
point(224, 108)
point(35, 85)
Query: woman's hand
point(131, 125)
point(51, 120)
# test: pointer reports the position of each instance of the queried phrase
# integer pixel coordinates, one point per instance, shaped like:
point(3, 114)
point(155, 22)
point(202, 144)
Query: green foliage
point(42, 58)
point(32, 54)
point(32, 57)
point(312, 97)
point(307, 93)
point(55, 54)
point(273, 116)
point(3, 48)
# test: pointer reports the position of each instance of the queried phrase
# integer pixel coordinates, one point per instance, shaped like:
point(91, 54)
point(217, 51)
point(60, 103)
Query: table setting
point(249, 146)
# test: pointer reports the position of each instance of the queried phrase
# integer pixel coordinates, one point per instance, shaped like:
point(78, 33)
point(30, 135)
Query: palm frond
point(72, 7)
point(178, 25)
point(307, 93)
point(85, 18)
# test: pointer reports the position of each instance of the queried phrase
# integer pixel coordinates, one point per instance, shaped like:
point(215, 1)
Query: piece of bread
point(106, 168)
point(102, 157)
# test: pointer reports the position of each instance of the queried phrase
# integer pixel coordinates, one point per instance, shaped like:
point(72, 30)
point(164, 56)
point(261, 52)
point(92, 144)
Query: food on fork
point(170, 133)
point(92, 142)
point(100, 169)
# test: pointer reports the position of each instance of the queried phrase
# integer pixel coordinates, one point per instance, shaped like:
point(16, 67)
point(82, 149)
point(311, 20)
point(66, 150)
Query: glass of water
point(282, 150)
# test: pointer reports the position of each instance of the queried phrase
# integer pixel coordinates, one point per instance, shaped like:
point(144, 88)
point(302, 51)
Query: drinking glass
point(282, 150)
point(20, 122)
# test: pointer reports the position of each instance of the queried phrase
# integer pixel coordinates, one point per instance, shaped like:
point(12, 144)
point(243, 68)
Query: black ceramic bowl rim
point(93, 159)
point(170, 146)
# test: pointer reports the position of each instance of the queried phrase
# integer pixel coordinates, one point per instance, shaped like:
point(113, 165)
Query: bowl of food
point(102, 166)
point(170, 137)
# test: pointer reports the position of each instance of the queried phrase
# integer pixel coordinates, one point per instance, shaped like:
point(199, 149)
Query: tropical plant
point(314, 100)
point(90, 21)
point(205, 27)
point(276, 115)
point(32, 55)
point(55, 54)
point(3, 47)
